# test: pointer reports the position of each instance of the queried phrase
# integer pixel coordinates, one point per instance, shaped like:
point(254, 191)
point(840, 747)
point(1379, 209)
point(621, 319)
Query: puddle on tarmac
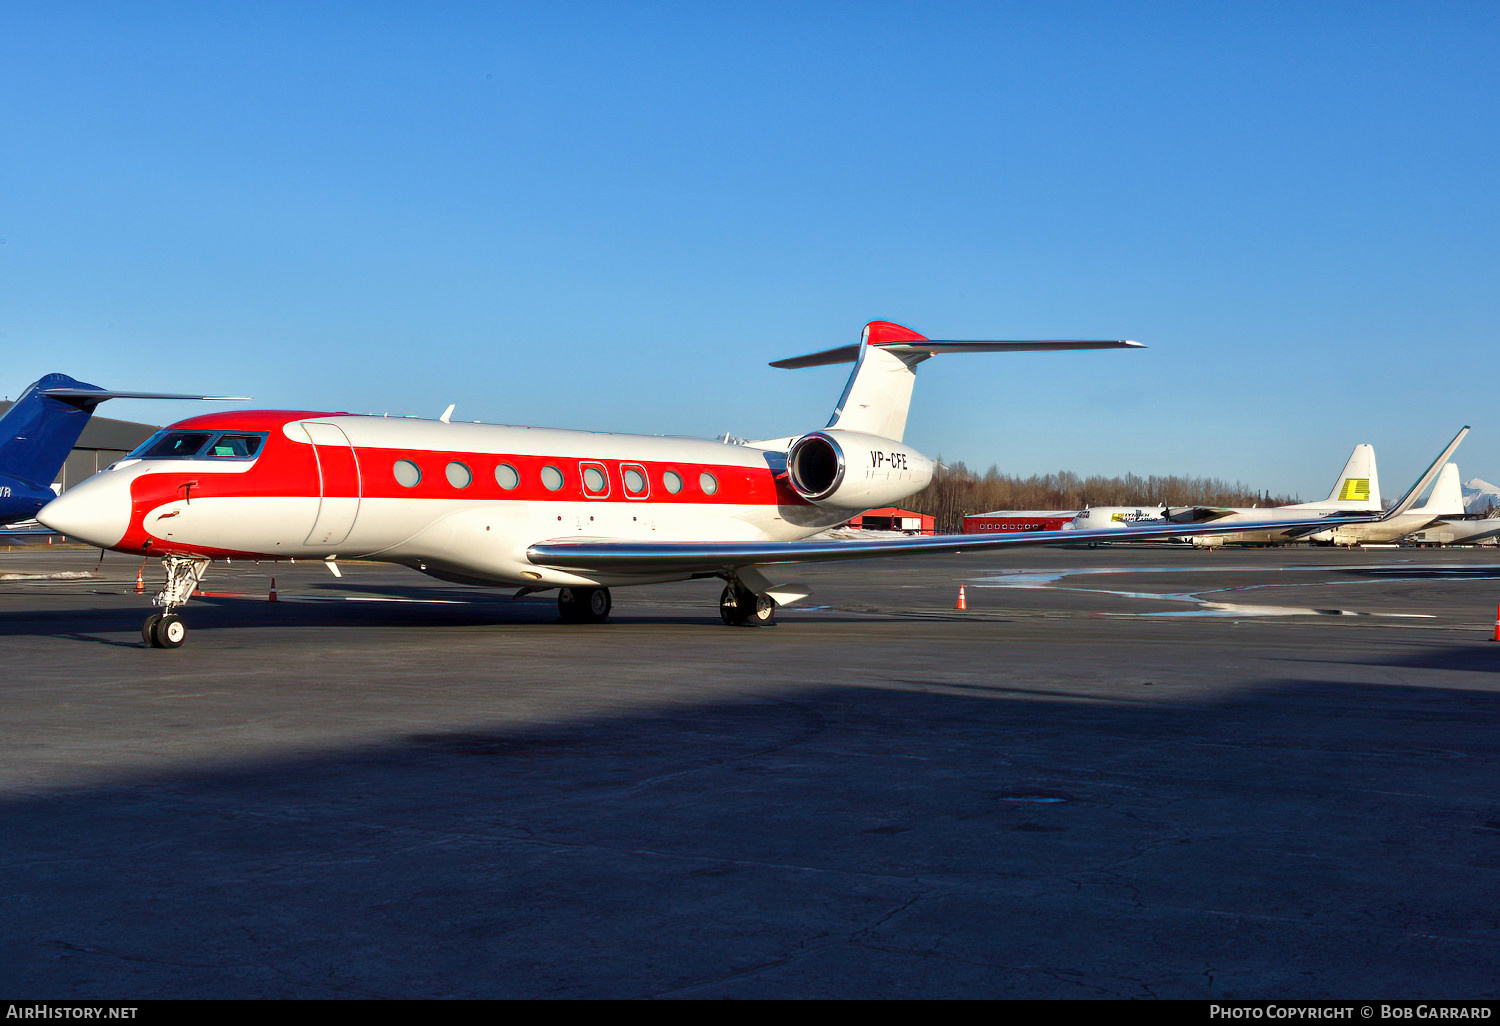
point(1206, 607)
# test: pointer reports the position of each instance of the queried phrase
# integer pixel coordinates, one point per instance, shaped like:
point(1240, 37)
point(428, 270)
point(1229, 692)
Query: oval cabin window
point(594, 481)
point(407, 473)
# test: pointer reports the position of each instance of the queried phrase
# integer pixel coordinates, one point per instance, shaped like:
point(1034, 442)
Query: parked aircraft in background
point(536, 508)
point(1446, 500)
point(1356, 490)
point(38, 432)
point(1458, 532)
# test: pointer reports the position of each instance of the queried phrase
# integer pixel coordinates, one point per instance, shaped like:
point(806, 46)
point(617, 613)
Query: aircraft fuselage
point(459, 501)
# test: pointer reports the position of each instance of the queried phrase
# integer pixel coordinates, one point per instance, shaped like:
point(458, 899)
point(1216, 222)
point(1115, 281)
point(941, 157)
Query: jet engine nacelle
point(839, 469)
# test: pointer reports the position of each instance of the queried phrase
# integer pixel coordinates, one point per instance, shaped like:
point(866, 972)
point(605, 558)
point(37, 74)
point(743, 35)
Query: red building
point(891, 518)
point(1018, 520)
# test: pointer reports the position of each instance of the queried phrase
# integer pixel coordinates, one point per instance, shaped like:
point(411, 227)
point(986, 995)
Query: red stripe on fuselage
point(290, 468)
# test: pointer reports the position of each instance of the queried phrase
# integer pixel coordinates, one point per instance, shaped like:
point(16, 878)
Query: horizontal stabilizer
point(878, 396)
point(932, 347)
point(94, 396)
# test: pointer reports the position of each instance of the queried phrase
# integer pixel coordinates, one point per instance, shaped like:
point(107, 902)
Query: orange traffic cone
point(272, 597)
point(962, 605)
point(1497, 624)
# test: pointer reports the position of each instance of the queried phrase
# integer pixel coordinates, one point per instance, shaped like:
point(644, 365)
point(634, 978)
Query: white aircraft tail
point(1447, 497)
point(1357, 487)
point(878, 396)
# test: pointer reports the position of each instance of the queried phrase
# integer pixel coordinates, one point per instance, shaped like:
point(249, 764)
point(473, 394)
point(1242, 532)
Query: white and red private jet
point(535, 508)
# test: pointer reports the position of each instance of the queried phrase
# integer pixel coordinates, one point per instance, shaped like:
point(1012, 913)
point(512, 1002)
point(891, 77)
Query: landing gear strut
point(584, 605)
point(166, 629)
point(738, 605)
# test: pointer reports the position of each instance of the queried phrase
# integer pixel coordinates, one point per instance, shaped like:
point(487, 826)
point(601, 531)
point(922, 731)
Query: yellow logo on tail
point(1356, 489)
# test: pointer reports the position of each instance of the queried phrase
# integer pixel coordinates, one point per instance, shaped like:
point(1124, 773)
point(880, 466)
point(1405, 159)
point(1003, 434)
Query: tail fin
point(1358, 485)
point(1447, 497)
point(38, 432)
point(878, 396)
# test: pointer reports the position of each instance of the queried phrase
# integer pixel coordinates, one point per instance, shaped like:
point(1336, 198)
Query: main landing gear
point(739, 606)
point(584, 605)
point(166, 629)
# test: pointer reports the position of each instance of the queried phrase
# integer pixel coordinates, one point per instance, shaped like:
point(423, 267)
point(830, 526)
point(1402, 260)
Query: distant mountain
point(1480, 495)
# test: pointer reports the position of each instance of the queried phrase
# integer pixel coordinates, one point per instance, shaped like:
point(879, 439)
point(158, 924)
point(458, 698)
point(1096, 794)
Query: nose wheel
point(166, 629)
point(163, 630)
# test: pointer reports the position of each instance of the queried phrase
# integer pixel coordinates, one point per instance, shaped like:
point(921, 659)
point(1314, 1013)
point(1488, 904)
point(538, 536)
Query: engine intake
point(816, 466)
point(852, 470)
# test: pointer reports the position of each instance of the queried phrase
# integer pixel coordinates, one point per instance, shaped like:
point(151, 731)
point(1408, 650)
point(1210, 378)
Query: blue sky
point(613, 215)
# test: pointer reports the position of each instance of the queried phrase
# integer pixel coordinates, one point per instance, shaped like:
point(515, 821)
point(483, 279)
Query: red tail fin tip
point(878, 332)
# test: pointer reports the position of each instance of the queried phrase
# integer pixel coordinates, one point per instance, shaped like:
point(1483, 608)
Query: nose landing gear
point(166, 629)
point(163, 630)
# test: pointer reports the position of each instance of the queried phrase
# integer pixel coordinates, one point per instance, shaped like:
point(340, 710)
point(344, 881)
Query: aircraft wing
point(622, 556)
point(1199, 514)
point(24, 527)
point(632, 557)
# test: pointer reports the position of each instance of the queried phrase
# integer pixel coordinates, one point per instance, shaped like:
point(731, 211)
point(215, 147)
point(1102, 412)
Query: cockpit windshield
point(183, 445)
point(235, 447)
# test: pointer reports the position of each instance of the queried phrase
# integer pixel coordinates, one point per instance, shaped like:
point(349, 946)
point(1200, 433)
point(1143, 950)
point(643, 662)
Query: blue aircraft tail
point(36, 435)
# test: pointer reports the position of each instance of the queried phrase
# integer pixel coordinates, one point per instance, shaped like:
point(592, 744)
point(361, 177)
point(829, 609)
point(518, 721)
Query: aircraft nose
point(96, 511)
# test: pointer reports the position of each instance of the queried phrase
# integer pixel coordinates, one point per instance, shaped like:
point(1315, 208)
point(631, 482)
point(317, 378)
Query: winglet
point(1426, 479)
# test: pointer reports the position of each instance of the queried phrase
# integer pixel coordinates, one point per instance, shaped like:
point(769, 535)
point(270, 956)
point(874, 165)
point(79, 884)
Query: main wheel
point(598, 604)
point(762, 612)
point(729, 608)
point(584, 605)
point(169, 631)
point(739, 606)
point(148, 630)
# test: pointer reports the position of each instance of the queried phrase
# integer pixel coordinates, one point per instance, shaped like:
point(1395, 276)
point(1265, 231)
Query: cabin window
point(708, 483)
point(552, 478)
point(407, 473)
point(635, 481)
point(672, 481)
point(506, 476)
point(595, 481)
point(458, 475)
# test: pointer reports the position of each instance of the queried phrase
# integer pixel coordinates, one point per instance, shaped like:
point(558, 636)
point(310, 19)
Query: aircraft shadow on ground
point(1480, 657)
point(1303, 839)
point(211, 614)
